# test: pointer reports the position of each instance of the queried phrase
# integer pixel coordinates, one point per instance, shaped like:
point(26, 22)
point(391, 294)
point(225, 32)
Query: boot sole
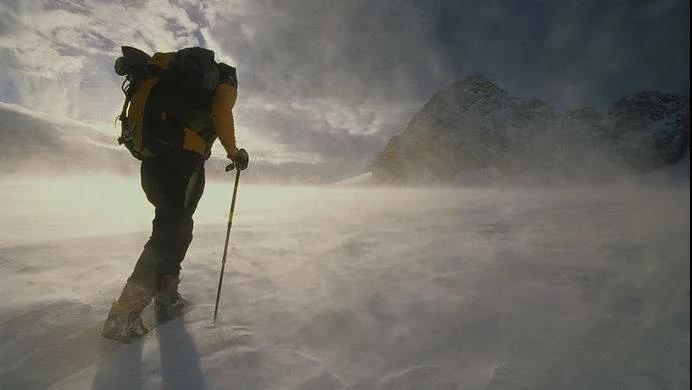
point(123, 339)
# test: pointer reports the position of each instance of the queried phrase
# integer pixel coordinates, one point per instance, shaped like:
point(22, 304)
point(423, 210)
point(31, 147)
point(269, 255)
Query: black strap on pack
point(133, 64)
point(227, 74)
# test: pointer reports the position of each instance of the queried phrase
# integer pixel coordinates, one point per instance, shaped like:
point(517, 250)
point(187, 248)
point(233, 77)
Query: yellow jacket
point(222, 117)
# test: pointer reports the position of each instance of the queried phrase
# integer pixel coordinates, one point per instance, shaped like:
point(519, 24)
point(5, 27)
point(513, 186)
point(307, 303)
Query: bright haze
point(562, 271)
point(324, 85)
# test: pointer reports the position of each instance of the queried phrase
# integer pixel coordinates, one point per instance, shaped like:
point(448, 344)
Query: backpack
point(160, 92)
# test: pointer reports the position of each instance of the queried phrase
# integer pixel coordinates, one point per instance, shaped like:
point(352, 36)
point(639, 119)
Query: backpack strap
point(227, 75)
point(123, 119)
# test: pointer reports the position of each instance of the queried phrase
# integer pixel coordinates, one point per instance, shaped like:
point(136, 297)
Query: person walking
point(172, 175)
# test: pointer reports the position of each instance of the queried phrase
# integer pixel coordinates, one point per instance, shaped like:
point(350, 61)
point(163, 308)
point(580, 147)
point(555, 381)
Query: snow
point(362, 179)
point(355, 288)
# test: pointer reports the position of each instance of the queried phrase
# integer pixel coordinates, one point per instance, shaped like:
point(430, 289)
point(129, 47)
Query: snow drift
point(347, 288)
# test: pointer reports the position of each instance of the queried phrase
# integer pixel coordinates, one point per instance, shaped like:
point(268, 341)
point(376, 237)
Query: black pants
point(174, 184)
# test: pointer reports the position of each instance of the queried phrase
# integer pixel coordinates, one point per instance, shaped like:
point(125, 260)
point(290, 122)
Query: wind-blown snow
point(360, 180)
point(354, 288)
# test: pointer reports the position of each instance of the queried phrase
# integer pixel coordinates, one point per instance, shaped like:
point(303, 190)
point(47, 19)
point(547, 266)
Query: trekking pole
point(228, 235)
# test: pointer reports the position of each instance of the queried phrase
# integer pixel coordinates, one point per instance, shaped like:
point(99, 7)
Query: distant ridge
point(474, 129)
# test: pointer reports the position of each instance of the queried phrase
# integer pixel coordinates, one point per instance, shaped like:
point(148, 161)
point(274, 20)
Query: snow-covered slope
point(360, 180)
point(357, 289)
point(34, 142)
point(474, 129)
point(39, 144)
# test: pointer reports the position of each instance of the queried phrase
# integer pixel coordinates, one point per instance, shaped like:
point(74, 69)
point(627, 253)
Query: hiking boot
point(124, 323)
point(168, 303)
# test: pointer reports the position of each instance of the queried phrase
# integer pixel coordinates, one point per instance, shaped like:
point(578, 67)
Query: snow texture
point(360, 180)
point(356, 288)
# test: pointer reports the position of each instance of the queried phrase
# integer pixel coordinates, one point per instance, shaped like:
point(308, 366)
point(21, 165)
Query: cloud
point(349, 51)
point(571, 53)
point(55, 51)
point(330, 82)
point(330, 79)
point(319, 82)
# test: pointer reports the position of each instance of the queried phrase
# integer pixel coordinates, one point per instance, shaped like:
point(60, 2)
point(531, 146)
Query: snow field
point(333, 288)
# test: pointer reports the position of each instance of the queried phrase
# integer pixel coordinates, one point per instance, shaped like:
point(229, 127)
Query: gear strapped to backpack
point(160, 92)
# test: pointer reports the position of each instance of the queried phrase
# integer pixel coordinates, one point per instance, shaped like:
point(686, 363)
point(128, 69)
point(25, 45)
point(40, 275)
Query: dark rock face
point(650, 130)
point(476, 128)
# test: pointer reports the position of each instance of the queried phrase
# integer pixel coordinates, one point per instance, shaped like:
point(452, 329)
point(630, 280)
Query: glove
point(241, 159)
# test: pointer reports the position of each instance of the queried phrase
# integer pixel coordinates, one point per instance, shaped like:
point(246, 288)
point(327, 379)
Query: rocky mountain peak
point(473, 127)
point(468, 92)
point(650, 129)
point(651, 104)
point(477, 85)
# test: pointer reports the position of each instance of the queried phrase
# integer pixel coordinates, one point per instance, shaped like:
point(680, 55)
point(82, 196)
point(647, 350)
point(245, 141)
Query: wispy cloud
point(331, 81)
point(319, 82)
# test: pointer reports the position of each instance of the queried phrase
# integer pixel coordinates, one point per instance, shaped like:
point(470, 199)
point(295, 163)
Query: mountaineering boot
point(124, 322)
point(168, 303)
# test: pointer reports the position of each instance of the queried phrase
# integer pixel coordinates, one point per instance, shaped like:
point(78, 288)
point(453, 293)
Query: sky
point(329, 82)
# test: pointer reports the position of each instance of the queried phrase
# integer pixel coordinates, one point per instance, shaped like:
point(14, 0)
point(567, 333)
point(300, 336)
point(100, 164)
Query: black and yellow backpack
point(161, 91)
